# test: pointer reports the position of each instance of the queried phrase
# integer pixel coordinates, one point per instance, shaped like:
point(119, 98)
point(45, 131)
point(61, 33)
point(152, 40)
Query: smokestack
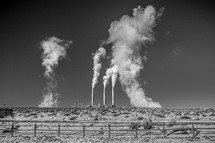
point(113, 79)
point(96, 69)
point(104, 96)
point(92, 98)
point(113, 97)
point(128, 36)
point(54, 50)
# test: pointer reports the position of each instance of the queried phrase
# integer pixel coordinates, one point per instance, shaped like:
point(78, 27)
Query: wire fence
point(106, 129)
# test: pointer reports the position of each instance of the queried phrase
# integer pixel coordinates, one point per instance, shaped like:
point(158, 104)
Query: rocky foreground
point(110, 114)
point(113, 114)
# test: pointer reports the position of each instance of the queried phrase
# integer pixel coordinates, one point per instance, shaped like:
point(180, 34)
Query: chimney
point(113, 97)
point(92, 98)
point(104, 97)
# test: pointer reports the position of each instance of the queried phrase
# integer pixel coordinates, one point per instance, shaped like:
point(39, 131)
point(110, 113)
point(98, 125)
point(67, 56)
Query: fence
point(109, 129)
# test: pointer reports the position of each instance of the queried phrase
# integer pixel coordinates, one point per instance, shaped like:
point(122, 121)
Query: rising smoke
point(110, 72)
point(101, 52)
point(114, 72)
point(107, 77)
point(129, 36)
point(54, 50)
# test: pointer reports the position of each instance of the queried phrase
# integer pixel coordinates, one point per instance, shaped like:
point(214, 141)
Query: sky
point(179, 72)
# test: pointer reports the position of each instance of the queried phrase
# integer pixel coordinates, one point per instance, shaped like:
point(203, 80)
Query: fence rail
point(109, 129)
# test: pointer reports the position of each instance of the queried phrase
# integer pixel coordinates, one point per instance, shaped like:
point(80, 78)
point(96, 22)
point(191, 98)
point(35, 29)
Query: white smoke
point(114, 74)
point(110, 72)
point(97, 65)
point(106, 77)
point(54, 50)
point(101, 52)
point(128, 36)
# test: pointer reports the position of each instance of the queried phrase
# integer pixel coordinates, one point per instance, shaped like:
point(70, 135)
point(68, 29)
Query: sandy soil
point(104, 114)
point(114, 114)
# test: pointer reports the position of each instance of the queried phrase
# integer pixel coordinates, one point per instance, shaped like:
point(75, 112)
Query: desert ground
point(123, 121)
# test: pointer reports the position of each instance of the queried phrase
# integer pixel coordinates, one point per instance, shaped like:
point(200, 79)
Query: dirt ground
point(67, 139)
point(105, 114)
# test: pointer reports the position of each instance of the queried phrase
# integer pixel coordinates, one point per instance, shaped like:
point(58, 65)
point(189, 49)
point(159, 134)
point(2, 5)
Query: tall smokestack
point(54, 50)
point(96, 69)
point(92, 98)
point(104, 96)
point(128, 36)
point(113, 97)
point(113, 79)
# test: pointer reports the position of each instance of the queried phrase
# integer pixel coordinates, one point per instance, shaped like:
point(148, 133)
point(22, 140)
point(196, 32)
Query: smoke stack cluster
point(54, 50)
point(110, 72)
point(128, 37)
point(96, 69)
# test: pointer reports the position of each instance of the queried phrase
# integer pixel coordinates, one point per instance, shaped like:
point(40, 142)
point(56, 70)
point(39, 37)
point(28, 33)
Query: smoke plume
point(110, 72)
point(54, 50)
point(106, 77)
point(97, 65)
point(101, 52)
point(129, 36)
point(114, 75)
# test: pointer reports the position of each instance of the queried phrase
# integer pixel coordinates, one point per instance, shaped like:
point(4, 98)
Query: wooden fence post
point(35, 130)
point(12, 130)
point(164, 130)
point(109, 131)
point(193, 130)
point(83, 130)
point(58, 130)
point(136, 129)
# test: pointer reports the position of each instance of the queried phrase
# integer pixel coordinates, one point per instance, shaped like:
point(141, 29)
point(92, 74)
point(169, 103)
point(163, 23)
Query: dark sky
point(179, 73)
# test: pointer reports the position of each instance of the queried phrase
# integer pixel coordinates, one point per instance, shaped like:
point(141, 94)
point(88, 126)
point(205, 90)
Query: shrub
point(171, 122)
point(185, 117)
point(147, 123)
point(132, 126)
